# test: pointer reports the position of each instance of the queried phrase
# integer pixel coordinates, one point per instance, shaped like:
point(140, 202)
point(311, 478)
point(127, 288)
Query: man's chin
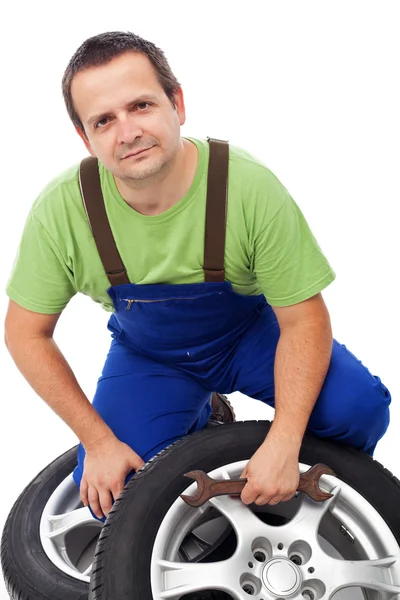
point(137, 173)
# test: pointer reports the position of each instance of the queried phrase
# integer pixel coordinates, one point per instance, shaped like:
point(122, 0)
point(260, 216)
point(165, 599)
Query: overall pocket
point(176, 318)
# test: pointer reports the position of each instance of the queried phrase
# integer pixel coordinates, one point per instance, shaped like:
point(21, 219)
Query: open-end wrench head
point(309, 482)
point(201, 478)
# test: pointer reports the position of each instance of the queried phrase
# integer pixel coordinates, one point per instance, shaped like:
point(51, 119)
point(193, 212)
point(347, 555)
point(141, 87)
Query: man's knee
point(375, 414)
point(353, 406)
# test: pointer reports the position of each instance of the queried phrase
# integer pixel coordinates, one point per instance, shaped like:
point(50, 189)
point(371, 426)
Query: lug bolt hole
point(249, 589)
point(251, 565)
point(311, 570)
point(296, 559)
point(308, 594)
point(260, 556)
point(280, 546)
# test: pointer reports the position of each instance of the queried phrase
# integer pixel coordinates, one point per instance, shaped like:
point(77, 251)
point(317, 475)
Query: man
point(181, 330)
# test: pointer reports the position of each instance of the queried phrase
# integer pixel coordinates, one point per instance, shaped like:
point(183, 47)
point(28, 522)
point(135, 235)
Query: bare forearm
point(44, 367)
point(301, 363)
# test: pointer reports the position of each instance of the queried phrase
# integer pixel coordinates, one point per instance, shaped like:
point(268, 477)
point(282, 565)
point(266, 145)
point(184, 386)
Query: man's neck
point(155, 197)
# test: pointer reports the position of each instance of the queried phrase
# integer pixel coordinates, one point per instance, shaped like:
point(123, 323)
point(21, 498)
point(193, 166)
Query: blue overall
point(173, 345)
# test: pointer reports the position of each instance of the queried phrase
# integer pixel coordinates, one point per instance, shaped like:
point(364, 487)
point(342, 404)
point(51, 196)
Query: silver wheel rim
point(325, 549)
point(68, 531)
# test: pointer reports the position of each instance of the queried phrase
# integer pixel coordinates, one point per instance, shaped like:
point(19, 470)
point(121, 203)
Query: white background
point(309, 87)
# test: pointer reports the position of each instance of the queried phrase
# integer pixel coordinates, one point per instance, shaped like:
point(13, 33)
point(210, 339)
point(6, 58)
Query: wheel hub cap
point(281, 577)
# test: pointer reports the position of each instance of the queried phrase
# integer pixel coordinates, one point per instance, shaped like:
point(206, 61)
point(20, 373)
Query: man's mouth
point(136, 153)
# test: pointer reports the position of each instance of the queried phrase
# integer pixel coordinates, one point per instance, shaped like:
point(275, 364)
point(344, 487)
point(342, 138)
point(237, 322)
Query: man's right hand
point(106, 466)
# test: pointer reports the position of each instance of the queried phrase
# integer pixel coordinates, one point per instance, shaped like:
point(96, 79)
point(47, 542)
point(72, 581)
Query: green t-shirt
point(269, 246)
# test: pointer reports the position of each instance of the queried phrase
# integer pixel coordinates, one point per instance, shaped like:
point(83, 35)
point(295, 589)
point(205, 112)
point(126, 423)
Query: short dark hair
point(101, 49)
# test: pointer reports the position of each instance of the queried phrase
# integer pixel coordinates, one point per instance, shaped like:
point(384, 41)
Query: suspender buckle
point(210, 139)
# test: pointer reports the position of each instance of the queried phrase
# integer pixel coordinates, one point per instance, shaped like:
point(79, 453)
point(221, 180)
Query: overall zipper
point(129, 301)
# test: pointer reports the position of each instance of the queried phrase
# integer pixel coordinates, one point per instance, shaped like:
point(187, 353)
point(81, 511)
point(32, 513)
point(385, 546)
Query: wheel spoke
point(61, 525)
point(87, 571)
point(183, 578)
point(369, 574)
point(306, 521)
point(245, 523)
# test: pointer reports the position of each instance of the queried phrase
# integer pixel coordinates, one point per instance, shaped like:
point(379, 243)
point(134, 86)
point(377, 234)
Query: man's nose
point(128, 130)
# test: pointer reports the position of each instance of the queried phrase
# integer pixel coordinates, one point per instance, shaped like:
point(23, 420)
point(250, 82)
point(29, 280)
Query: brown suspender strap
point(217, 194)
point(92, 196)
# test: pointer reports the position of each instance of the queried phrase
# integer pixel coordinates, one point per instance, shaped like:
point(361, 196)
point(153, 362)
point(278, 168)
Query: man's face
point(124, 109)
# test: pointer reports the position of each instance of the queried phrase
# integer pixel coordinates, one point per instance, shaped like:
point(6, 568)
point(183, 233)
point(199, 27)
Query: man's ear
point(85, 141)
point(180, 106)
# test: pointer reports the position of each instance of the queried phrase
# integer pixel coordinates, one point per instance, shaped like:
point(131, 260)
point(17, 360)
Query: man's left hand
point(272, 473)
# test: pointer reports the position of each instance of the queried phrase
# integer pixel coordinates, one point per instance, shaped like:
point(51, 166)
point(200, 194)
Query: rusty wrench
point(208, 488)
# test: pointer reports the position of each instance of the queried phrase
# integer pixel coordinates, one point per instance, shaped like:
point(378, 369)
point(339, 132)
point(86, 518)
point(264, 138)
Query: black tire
point(121, 567)
point(27, 571)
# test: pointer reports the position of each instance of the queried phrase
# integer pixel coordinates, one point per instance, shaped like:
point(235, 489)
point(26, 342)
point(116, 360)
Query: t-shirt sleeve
point(40, 280)
point(288, 262)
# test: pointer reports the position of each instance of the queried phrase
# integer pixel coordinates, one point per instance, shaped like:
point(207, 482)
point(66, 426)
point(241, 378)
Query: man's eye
point(101, 121)
point(141, 103)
